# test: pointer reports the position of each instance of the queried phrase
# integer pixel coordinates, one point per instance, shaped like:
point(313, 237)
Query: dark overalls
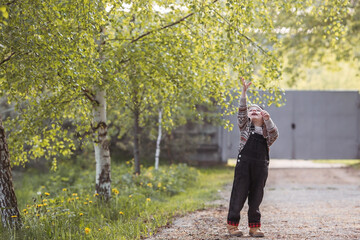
point(251, 172)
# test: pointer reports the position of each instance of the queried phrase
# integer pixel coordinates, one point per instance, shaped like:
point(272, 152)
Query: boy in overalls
point(257, 133)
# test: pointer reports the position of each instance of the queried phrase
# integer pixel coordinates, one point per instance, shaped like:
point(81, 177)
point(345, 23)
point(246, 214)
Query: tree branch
point(9, 3)
point(8, 58)
point(166, 26)
point(244, 36)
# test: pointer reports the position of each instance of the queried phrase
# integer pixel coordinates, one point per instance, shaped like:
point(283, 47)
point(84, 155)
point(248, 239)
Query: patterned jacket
point(270, 130)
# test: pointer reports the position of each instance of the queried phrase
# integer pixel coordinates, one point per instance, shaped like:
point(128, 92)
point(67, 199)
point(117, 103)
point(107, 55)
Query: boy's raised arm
point(242, 114)
point(272, 130)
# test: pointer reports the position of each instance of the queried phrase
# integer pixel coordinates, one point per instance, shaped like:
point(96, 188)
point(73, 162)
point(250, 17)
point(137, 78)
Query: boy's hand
point(265, 115)
point(245, 84)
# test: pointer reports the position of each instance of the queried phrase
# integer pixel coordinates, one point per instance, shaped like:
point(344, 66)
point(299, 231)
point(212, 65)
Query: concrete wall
point(312, 125)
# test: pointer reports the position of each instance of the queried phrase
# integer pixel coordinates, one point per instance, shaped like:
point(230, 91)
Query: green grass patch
point(63, 205)
point(348, 162)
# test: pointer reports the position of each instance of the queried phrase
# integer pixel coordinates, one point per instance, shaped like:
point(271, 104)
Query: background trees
point(65, 61)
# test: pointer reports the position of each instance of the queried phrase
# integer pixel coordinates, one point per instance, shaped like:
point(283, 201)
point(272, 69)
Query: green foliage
point(69, 210)
point(317, 34)
point(146, 59)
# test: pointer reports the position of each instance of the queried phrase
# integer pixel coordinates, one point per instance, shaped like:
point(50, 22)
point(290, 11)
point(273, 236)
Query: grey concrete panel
point(327, 126)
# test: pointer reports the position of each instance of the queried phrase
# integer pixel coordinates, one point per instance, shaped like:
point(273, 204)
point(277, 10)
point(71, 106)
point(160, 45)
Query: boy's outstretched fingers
point(245, 84)
point(265, 115)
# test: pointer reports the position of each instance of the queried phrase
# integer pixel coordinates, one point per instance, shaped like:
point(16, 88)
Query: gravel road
point(298, 204)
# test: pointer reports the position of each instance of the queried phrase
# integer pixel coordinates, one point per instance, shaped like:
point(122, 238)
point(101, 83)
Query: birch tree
point(10, 216)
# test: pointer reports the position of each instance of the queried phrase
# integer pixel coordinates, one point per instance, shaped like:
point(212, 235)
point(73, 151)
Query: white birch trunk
point(101, 147)
point(157, 153)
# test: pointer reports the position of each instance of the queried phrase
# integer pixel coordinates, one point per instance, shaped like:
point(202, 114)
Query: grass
point(62, 205)
point(348, 162)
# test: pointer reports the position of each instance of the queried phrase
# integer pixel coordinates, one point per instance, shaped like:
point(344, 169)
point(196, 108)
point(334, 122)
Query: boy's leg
point(239, 192)
point(259, 173)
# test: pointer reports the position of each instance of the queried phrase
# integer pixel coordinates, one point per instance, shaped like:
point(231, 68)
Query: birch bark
point(101, 147)
point(157, 153)
point(10, 215)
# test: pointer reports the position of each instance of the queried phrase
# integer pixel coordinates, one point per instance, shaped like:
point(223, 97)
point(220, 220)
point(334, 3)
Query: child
point(257, 133)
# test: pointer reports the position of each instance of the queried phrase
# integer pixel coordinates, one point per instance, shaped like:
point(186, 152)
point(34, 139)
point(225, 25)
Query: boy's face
point(254, 113)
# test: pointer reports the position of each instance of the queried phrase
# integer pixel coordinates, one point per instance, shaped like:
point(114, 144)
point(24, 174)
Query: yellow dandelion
point(64, 189)
point(81, 214)
point(45, 204)
point(38, 215)
point(47, 194)
point(87, 199)
point(150, 185)
point(77, 198)
point(27, 227)
point(148, 199)
point(99, 229)
point(74, 194)
point(14, 216)
point(40, 205)
point(85, 203)
point(90, 201)
point(121, 213)
point(164, 188)
point(44, 200)
point(130, 196)
point(42, 186)
point(87, 230)
point(96, 194)
point(25, 210)
point(159, 185)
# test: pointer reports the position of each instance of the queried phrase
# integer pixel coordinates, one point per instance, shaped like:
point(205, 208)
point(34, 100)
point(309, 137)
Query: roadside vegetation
point(63, 205)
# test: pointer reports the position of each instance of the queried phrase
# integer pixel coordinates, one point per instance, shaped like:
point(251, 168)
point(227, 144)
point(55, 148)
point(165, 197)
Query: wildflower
point(40, 205)
point(45, 204)
point(87, 230)
point(27, 226)
point(42, 186)
point(90, 201)
point(99, 229)
point(74, 194)
point(121, 213)
point(47, 194)
point(64, 189)
point(159, 185)
point(96, 194)
point(87, 199)
point(38, 215)
point(130, 196)
point(150, 185)
point(77, 198)
point(164, 188)
point(85, 203)
point(115, 191)
point(25, 210)
point(148, 199)
point(14, 216)
point(81, 214)
point(44, 200)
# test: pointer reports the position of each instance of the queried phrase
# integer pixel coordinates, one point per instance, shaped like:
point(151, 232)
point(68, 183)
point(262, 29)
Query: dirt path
point(298, 204)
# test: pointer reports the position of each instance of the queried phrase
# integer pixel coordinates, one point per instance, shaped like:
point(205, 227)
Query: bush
point(66, 207)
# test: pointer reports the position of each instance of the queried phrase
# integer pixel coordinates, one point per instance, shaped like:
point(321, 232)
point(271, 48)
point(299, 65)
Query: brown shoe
point(234, 231)
point(256, 232)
